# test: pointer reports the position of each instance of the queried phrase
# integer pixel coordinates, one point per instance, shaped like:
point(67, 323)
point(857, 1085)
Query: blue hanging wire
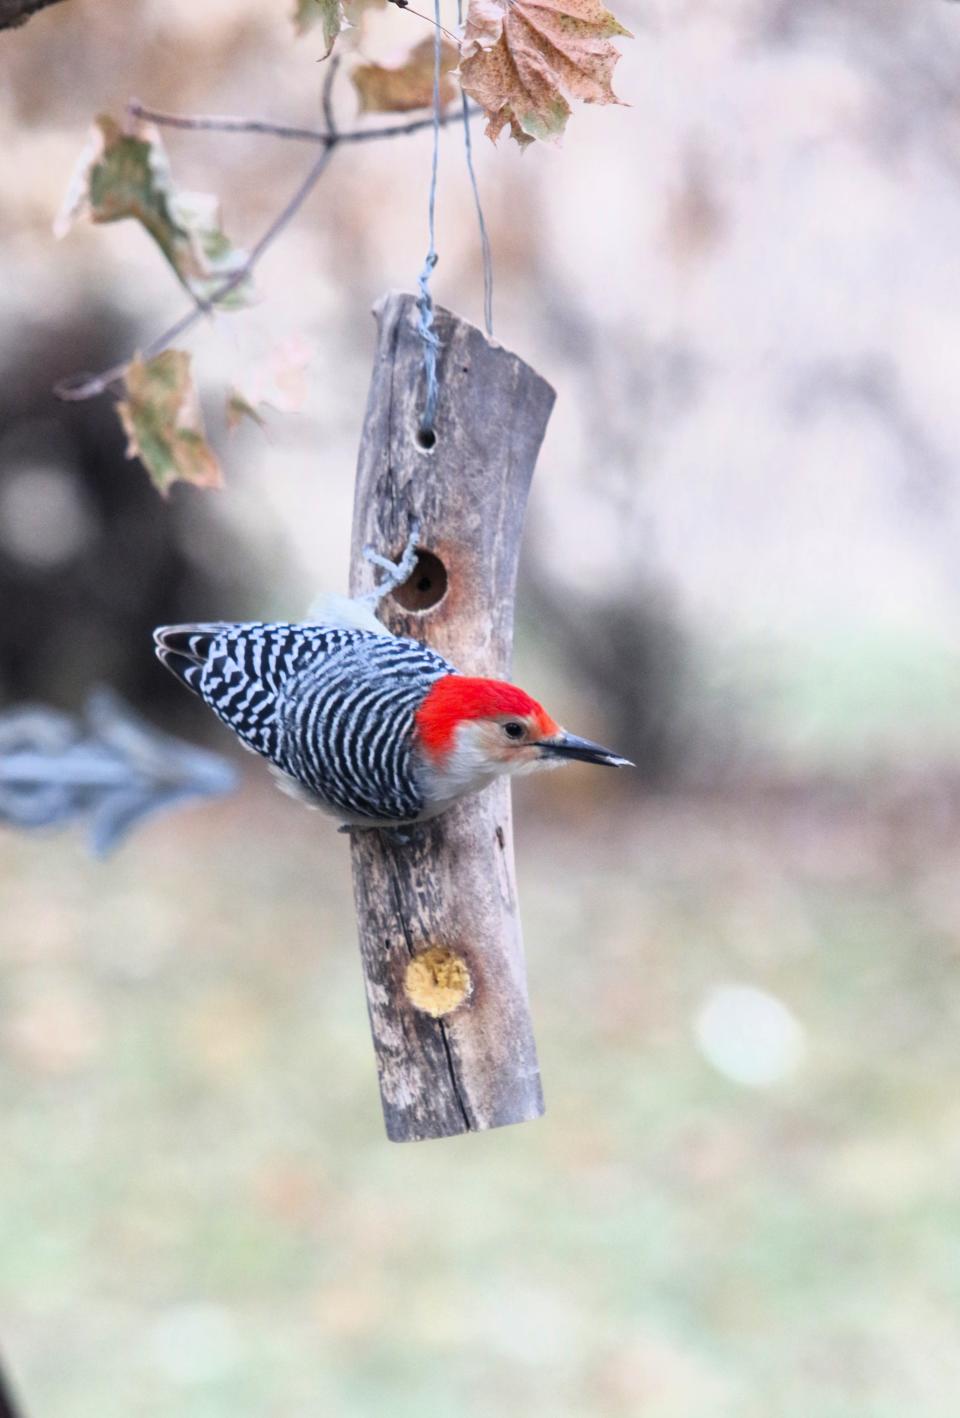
point(431, 342)
point(484, 237)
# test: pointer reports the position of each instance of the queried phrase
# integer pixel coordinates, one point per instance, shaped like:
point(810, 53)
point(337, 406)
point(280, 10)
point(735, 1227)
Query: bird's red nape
point(455, 698)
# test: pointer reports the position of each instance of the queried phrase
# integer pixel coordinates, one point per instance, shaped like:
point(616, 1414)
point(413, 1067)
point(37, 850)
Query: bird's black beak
point(569, 746)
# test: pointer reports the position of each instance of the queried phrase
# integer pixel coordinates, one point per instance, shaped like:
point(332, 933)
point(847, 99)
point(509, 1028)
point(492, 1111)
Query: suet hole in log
point(437, 981)
point(425, 587)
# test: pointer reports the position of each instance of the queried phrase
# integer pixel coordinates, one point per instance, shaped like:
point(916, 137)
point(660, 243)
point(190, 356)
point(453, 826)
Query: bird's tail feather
point(183, 649)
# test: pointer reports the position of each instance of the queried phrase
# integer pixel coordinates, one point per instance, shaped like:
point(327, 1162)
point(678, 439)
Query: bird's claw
point(393, 835)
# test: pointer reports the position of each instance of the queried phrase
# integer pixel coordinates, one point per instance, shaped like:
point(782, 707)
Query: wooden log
point(438, 918)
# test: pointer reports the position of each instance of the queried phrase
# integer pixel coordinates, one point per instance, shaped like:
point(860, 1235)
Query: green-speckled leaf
point(124, 173)
point(325, 14)
point(163, 423)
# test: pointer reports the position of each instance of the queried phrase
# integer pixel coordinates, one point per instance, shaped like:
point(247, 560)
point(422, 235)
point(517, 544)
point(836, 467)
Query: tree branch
point(223, 123)
point(17, 12)
point(75, 388)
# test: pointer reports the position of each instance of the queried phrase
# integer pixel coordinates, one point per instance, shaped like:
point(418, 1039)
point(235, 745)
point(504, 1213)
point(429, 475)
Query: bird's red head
point(457, 699)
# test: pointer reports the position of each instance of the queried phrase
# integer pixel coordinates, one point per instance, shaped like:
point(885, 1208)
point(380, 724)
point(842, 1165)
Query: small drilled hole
point(426, 439)
point(426, 585)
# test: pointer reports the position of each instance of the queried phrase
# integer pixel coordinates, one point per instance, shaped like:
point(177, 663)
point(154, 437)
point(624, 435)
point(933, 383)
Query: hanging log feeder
point(439, 925)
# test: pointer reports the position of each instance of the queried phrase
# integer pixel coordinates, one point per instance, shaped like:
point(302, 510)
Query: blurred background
point(740, 568)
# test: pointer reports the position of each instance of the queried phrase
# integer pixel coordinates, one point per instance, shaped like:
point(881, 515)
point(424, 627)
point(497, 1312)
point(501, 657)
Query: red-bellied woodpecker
point(376, 729)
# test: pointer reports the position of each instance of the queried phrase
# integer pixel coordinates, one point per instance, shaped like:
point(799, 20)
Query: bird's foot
point(397, 571)
point(394, 835)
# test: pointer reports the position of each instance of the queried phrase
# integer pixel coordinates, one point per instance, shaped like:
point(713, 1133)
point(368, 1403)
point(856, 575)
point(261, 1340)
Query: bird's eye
point(514, 731)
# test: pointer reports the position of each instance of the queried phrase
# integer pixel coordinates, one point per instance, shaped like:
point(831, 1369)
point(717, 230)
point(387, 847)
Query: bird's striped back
point(331, 707)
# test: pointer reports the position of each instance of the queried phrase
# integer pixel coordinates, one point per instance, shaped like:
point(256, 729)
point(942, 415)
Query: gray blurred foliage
point(115, 770)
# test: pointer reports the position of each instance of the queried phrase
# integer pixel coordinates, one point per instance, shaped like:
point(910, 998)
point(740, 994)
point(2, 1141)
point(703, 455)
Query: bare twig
point(221, 123)
point(224, 123)
point(76, 388)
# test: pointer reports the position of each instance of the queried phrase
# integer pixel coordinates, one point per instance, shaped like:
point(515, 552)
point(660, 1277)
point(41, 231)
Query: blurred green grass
point(849, 698)
point(199, 1212)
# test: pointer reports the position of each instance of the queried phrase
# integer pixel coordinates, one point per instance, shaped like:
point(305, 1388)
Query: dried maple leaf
point(521, 58)
point(399, 88)
point(164, 427)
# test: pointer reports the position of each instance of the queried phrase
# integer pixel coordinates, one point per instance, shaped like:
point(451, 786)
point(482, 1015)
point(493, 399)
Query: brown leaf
point(522, 58)
point(164, 427)
point(399, 88)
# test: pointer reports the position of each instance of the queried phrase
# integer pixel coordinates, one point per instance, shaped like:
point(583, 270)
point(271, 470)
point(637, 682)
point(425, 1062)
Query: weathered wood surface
point(453, 886)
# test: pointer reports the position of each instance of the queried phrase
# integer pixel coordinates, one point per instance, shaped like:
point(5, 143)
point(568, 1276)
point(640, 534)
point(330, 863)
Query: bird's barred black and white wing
point(240, 669)
point(331, 707)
